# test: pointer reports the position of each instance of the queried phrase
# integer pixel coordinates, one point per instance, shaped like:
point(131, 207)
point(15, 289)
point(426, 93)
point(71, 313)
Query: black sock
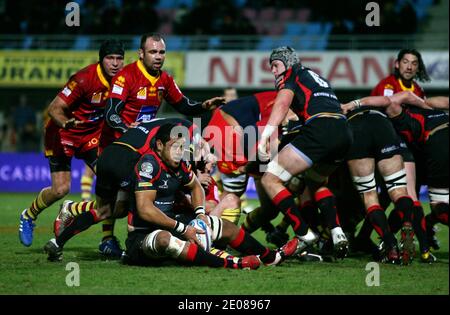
point(395, 221)
point(79, 224)
point(366, 230)
point(286, 203)
point(200, 257)
point(326, 203)
point(419, 225)
point(440, 212)
point(405, 205)
point(377, 217)
point(310, 214)
point(248, 245)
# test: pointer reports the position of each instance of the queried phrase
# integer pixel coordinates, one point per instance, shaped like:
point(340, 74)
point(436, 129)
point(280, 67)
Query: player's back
point(313, 93)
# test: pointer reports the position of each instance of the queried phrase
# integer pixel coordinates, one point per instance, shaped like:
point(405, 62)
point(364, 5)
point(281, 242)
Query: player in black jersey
point(156, 231)
point(323, 141)
point(376, 143)
point(426, 130)
point(114, 168)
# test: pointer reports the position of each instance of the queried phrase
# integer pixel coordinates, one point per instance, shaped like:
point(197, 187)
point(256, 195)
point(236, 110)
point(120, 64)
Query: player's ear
point(397, 64)
point(159, 145)
point(141, 53)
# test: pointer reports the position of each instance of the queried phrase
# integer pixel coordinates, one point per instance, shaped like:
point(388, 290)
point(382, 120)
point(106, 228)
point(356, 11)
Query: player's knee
point(365, 184)
point(277, 171)
point(231, 201)
point(396, 181)
point(162, 241)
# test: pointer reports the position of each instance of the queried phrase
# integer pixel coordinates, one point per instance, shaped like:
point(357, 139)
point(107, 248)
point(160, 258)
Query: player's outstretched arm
point(408, 97)
point(149, 212)
point(57, 111)
point(438, 102)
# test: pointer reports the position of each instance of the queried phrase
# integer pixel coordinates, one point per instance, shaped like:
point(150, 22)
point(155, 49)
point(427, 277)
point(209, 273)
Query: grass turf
point(27, 271)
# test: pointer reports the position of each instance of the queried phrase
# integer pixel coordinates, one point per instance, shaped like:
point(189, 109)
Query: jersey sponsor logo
point(124, 184)
point(146, 114)
point(146, 170)
point(117, 89)
point(143, 129)
point(145, 184)
point(66, 91)
point(389, 149)
point(160, 93)
point(388, 92)
point(96, 115)
point(120, 81)
point(142, 93)
point(96, 98)
point(164, 185)
point(152, 91)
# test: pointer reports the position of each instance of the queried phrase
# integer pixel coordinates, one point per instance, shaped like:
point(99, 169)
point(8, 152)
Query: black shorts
point(373, 137)
point(436, 155)
point(324, 140)
point(63, 163)
point(114, 170)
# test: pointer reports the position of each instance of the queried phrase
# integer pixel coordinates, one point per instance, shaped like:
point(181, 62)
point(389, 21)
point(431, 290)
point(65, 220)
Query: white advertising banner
point(344, 70)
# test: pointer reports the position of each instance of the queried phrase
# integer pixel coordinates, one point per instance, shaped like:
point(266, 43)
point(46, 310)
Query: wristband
point(180, 227)
point(268, 131)
point(357, 103)
point(199, 210)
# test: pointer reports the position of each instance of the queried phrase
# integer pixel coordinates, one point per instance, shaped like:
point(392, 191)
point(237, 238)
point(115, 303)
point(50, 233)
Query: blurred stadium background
point(211, 44)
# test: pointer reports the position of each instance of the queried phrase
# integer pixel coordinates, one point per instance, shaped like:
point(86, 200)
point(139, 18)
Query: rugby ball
point(204, 239)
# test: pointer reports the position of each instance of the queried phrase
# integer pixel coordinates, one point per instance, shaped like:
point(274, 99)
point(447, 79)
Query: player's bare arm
point(149, 212)
point(57, 111)
point(279, 112)
point(438, 102)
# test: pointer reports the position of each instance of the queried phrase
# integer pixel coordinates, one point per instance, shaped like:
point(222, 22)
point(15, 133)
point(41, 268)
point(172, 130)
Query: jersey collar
point(404, 88)
point(149, 77)
point(101, 76)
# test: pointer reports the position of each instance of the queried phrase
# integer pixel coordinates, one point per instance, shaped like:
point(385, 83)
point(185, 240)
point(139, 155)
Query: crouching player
point(154, 234)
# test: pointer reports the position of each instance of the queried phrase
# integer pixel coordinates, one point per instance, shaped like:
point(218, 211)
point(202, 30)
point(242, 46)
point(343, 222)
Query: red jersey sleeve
point(384, 88)
point(173, 94)
point(74, 89)
point(212, 192)
point(120, 86)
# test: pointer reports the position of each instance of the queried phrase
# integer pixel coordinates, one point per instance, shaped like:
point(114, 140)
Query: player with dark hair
point(74, 129)
point(136, 95)
point(158, 175)
point(409, 67)
point(426, 130)
point(113, 182)
point(322, 142)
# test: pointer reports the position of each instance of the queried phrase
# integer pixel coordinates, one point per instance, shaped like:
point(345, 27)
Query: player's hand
point(205, 219)
point(263, 150)
point(204, 178)
point(348, 107)
point(191, 234)
point(213, 103)
point(134, 124)
point(71, 123)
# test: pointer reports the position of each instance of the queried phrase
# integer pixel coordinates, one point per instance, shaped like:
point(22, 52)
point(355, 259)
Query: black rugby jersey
point(313, 94)
point(151, 173)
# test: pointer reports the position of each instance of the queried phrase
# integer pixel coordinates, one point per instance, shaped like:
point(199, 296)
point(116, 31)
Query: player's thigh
point(391, 165)
point(361, 167)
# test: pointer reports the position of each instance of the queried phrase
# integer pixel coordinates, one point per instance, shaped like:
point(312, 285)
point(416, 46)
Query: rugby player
point(74, 129)
point(323, 141)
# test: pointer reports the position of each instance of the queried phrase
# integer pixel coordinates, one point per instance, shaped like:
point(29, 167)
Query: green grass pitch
point(27, 271)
